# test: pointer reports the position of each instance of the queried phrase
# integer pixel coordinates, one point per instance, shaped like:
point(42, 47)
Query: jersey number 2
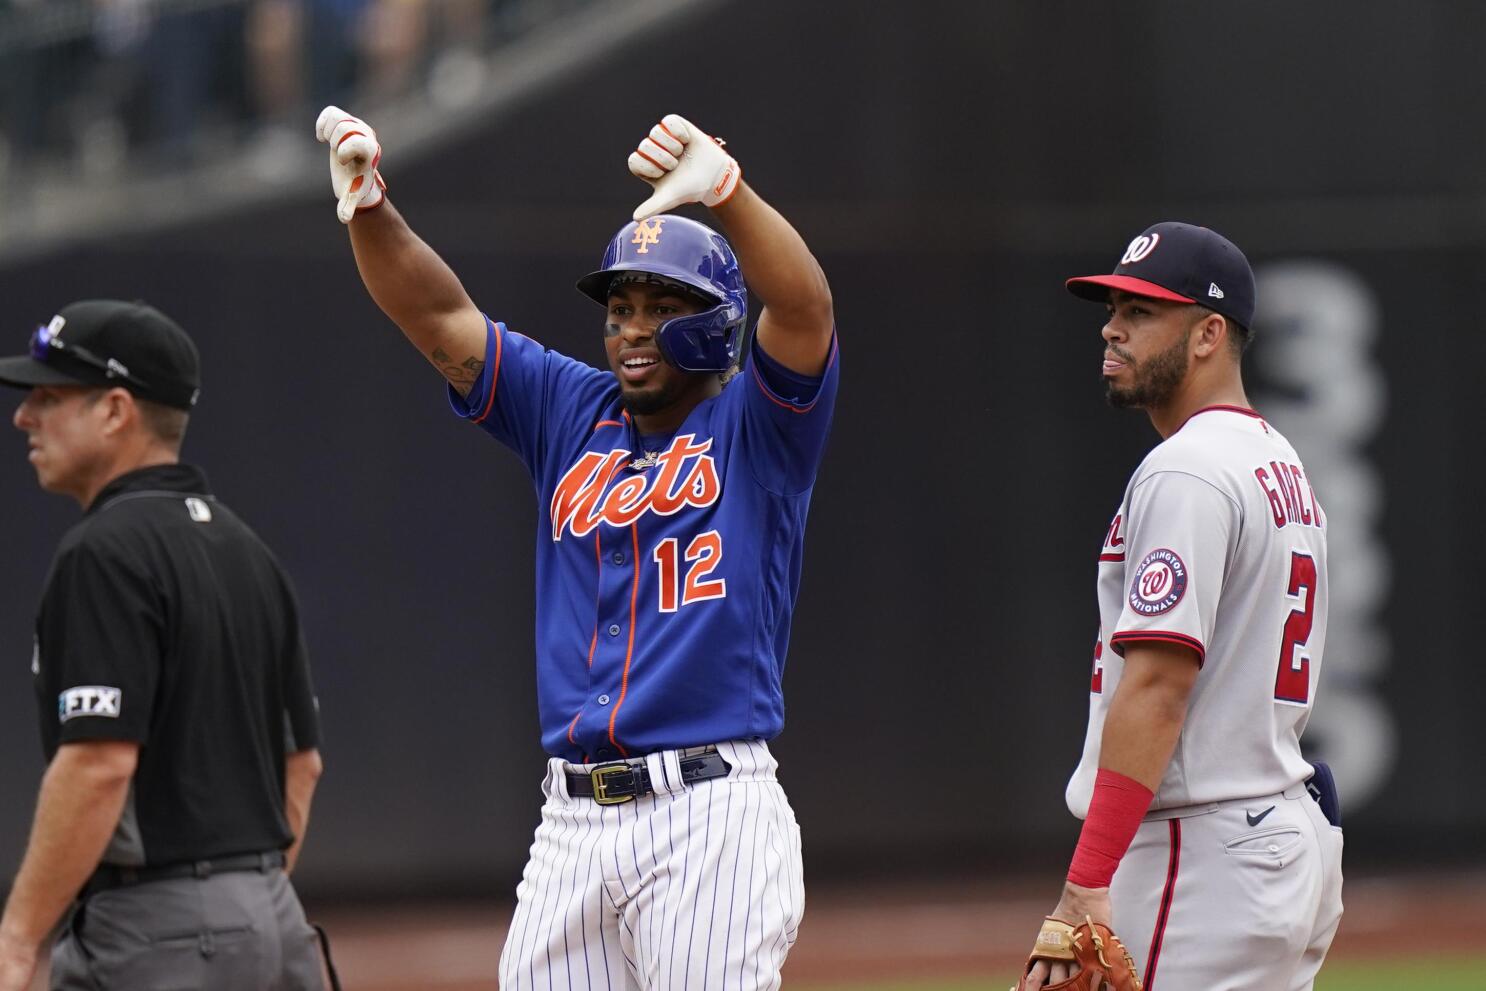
point(1292, 683)
point(705, 553)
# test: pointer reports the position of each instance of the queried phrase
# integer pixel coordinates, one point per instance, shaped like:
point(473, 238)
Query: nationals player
point(1201, 843)
point(672, 505)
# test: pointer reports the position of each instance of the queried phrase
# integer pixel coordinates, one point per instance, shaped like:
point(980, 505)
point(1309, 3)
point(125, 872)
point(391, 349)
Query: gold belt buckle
point(600, 777)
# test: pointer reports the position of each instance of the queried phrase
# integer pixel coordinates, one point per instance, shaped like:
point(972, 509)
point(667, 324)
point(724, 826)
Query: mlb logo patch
point(89, 700)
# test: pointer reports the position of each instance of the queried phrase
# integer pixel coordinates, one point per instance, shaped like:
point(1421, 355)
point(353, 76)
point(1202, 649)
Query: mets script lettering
point(685, 475)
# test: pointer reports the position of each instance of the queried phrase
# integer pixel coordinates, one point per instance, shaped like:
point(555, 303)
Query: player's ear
point(1211, 333)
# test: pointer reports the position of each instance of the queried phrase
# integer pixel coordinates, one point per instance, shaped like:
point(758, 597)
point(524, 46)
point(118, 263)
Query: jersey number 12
point(705, 553)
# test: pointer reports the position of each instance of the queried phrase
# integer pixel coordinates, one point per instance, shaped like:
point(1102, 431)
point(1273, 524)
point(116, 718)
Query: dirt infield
point(880, 933)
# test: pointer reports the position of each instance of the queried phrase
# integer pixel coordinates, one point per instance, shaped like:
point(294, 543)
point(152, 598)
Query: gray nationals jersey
point(1220, 544)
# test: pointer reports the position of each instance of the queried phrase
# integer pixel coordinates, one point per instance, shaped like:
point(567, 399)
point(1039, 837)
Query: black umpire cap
point(1182, 263)
point(109, 342)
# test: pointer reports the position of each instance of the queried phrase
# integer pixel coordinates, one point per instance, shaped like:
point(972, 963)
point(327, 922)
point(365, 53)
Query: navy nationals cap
point(1182, 263)
point(109, 342)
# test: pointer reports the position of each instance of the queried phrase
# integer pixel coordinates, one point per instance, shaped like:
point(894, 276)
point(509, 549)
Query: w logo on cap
point(1140, 248)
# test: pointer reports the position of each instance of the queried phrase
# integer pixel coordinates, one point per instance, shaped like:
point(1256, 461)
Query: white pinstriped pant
point(696, 888)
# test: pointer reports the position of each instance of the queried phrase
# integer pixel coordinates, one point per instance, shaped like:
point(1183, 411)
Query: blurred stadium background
point(951, 163)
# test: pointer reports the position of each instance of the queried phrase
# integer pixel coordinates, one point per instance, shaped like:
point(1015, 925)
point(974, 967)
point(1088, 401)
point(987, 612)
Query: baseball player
point(1208, 842)
point(672, 503)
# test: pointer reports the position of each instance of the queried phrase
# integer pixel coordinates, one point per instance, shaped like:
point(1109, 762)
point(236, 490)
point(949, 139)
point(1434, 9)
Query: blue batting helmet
point(696, 256)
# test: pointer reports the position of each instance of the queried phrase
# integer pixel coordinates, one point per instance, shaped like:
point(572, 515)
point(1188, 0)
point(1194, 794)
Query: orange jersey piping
point(769, 394)
point(634, 596)
point(494, 376)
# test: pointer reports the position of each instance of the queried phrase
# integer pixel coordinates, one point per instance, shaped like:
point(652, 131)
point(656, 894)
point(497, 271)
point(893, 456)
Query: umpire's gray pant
point(240, 931)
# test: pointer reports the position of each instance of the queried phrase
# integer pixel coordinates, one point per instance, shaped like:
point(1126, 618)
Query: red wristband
point(1115, 812)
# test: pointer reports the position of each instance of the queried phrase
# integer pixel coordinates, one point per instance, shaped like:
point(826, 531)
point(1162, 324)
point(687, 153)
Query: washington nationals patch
point(1159, 584)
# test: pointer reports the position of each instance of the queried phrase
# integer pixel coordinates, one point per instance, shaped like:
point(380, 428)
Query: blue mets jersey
point(667, 567)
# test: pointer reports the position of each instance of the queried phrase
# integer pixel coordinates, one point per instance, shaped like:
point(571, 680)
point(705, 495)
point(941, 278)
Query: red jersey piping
point(1224, 408)
point(1165, 636)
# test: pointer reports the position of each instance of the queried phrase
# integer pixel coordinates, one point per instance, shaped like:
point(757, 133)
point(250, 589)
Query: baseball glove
point(1101, 958)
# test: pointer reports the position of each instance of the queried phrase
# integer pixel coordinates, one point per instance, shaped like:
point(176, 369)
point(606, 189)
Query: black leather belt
point(112, 876)
point(611, 784)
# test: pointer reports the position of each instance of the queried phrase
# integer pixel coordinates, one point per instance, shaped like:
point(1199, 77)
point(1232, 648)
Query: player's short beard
point(643, 402)
point(1156, 379)
point(659, 397)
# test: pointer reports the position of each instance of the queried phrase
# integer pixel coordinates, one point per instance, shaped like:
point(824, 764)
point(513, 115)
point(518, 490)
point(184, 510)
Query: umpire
point(177, 712)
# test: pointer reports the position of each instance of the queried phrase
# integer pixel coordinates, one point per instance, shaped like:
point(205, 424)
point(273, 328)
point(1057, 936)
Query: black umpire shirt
point(166, 621)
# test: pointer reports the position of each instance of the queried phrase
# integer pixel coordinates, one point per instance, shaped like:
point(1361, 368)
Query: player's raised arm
point(408, 280)
point(686, 165)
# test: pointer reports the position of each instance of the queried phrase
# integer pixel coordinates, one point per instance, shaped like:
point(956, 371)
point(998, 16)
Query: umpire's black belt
point(112, 876)
point(611, 784)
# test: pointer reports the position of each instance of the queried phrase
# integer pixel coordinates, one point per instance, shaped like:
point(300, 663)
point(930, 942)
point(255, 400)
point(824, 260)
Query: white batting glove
point(354, 154)
point(684, 165)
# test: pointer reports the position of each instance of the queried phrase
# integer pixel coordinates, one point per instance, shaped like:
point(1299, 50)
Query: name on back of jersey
point(1292, 500)
point(684, 475)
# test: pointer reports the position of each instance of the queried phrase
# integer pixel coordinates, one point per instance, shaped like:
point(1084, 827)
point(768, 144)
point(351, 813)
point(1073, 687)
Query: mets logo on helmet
point(647, 232)
point(1140, 248)
point(686, 475)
